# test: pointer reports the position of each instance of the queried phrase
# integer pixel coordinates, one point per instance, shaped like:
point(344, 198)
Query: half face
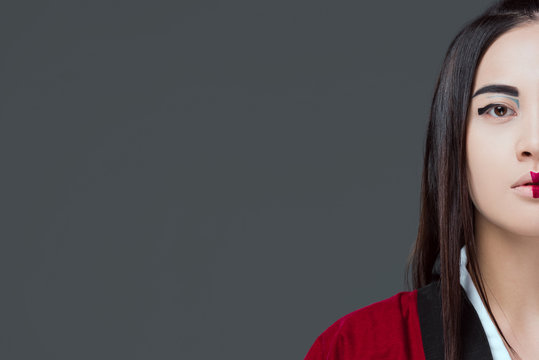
point(502, 141)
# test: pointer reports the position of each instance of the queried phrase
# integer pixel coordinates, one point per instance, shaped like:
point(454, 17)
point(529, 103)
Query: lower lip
point(529, 191)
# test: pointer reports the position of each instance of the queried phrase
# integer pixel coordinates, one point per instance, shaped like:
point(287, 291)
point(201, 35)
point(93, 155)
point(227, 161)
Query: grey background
point(208, 180)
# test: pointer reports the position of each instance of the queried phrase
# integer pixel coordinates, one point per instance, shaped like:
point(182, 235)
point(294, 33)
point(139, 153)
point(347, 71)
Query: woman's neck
point(509, 265)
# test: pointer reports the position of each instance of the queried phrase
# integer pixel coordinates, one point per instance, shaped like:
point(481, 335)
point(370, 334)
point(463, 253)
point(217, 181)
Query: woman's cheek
point(485, 171)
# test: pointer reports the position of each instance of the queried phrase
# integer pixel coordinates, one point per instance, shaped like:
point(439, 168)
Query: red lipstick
point(528, 185)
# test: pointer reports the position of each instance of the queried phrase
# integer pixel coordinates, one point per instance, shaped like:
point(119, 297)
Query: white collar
point(497, 348)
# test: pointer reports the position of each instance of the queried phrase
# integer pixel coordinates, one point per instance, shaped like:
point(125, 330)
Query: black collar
point(429, 309)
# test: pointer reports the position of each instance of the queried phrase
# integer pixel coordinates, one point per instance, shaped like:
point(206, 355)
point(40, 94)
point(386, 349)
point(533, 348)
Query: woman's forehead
point(512, 59)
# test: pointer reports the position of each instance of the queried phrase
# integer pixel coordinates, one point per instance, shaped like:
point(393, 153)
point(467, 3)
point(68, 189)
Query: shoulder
point(386, 329)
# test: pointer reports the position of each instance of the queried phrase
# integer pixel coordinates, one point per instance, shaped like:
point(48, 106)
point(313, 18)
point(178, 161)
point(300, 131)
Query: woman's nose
point(528, 145)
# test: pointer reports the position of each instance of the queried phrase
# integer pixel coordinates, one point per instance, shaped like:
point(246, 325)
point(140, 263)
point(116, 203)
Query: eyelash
point(482, 110)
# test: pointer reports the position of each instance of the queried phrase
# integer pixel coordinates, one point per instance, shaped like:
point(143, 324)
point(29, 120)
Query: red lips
point(530, 177)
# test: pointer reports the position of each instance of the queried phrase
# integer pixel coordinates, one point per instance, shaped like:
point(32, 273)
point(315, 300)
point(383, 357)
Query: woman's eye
point(495, 110)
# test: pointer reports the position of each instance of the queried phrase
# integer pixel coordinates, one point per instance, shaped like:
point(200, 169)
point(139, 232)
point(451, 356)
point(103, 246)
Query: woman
point(476, 258)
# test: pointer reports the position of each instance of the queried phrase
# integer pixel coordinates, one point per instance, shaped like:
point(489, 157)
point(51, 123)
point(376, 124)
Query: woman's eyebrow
point(504, 89)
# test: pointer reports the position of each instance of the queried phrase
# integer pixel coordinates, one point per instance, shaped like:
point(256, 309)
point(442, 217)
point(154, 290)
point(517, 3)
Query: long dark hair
point(447, 214)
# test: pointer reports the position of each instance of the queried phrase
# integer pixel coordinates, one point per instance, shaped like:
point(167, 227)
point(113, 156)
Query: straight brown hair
point(446, 221)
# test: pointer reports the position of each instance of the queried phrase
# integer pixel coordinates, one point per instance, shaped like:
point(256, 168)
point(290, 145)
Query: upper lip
point(524, 179)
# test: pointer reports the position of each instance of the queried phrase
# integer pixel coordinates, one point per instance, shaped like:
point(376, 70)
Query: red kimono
point(407, 325)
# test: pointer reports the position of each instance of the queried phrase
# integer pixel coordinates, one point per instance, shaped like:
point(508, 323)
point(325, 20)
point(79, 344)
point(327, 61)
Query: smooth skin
point(502, 145)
